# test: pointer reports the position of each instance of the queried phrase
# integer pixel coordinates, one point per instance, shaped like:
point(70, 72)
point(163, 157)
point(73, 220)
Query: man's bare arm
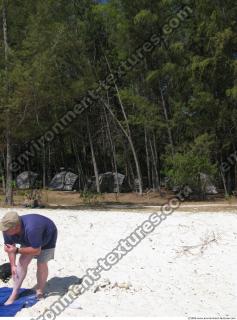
point(25, 250)
point(30, 250)
point(12, 258)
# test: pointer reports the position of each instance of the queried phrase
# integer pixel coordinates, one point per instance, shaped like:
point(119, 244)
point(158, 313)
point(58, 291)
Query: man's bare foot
point(39, 295)
point(10, 300)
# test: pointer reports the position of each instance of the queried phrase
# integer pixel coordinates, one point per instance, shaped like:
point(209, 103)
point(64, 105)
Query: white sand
point(168, 278)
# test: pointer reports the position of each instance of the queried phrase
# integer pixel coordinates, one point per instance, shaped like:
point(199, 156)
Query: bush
point(89, 197)
point(184, 168)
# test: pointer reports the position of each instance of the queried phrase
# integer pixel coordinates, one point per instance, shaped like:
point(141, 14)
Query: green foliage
point(57, 51)
point(232, 92)
point(14, 184)
point(184, 168)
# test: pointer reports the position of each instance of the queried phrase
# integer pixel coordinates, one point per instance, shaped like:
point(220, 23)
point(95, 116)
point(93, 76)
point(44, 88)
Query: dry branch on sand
point(199, 249)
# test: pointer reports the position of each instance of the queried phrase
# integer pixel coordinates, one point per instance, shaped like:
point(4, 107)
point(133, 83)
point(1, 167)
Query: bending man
point(37, 236)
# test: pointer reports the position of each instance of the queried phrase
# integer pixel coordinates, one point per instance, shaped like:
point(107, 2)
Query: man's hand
point(10, 248)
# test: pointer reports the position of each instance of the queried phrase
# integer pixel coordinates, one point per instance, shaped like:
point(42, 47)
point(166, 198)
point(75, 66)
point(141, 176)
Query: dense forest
point(143, 87)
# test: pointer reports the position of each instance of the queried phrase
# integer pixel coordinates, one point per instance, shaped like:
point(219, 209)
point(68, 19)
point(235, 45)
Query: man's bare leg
point(22, 266)
point(42, 276)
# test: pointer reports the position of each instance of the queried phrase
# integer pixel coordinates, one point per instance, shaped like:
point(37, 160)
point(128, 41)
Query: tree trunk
point(49, 175)
point(139, 176)
point(9, 191)
point(113, 151)
point(224, 182)
point(167, 120)
point(131, 175)
point(155, 178)
point(82, 180)
point(44, 166)
point(156, 160)
point(93, 157)
point(126, 132)
point(3, 177)
point(147, 160)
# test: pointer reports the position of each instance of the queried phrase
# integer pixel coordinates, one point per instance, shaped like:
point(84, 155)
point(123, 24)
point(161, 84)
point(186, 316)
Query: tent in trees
point(64, 181)
point(207, 184)
point(26, 180)
point(109, 182)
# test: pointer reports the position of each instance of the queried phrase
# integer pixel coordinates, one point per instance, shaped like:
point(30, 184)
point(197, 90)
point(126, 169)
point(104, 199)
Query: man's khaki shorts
point(45, 255)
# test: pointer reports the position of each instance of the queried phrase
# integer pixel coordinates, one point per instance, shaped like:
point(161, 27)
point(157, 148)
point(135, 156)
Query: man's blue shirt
point(36, 231)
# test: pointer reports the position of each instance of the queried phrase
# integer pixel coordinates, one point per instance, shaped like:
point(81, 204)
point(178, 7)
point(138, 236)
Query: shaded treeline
point(173, 112)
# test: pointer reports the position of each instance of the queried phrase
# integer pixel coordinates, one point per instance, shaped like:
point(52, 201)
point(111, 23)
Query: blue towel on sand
point(27, 298)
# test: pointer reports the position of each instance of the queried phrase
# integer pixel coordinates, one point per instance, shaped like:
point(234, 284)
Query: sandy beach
point(186, 267)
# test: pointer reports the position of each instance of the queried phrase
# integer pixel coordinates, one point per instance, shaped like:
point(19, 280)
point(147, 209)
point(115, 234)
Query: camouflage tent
point(109, 182)
point(106, 182)
point(119, 180)
point(26, 180)
point(207, 184)
point(64, 181)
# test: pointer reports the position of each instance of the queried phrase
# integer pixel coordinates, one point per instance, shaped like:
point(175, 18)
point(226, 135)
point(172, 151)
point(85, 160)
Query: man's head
point(11, 223)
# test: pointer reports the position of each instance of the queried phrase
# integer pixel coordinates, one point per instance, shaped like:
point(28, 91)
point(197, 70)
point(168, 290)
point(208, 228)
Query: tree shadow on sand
point(59, 286)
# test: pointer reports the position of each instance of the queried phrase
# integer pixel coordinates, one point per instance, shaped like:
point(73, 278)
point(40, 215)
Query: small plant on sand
point(33, 198)
point(20, 192)
point(89, 197)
